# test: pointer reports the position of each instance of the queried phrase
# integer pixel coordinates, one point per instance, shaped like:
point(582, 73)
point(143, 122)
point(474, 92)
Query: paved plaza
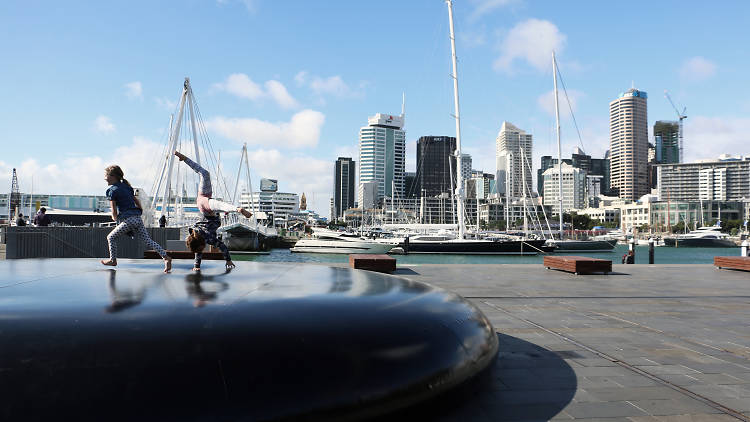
point(646, 343)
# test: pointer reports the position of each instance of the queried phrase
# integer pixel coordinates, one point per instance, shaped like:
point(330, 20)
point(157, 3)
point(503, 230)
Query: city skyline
point(82, 92)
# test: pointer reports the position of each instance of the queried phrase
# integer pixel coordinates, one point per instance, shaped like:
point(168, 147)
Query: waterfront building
point(580, 160)
point(368, 194)
point(628, 137)
point(434, 163)
point(573, 188)
point(278, 206)
point(343, 186)
point(724, 179)
point(692, 213)
point(667, 142)
point(495, 210)
point(509, 145)
point(465, 169)
point(604, 215)
point(382, 148)
point(481, 185)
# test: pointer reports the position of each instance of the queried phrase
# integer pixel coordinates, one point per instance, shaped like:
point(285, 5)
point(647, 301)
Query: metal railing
point(76, 242)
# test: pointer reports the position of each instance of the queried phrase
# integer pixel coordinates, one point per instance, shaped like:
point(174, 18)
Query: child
point(204, 231)
point(126, 211)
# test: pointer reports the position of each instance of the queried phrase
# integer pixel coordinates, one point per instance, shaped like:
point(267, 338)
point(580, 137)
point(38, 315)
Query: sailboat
point(460, 244)
point(570, 245)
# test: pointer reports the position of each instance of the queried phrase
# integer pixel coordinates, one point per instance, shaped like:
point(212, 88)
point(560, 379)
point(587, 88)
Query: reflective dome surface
point(262, 342)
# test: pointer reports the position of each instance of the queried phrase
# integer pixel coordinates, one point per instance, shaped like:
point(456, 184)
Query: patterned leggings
point(134, 224)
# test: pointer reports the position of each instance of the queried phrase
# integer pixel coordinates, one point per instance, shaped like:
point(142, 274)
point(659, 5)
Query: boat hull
point(699, 243)
point(585, 245)
point(468, 247)
point(340, 247)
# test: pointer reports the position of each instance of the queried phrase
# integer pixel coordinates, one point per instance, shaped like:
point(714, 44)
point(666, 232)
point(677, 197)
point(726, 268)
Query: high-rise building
point(547, 162)
point(573, 188)
point(434, 163)
point(511, 144)
point(411, 185)
point(465, 168)
point(628, 141)
point(667, 142)
point(343, 186)
point(382, 149)
point(725, 179)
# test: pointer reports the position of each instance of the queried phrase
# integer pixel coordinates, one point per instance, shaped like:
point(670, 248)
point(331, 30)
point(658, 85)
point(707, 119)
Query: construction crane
point(15, 199)
point(681, 116)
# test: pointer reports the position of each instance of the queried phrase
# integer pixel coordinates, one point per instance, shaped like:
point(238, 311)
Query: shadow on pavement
point(526, 382)
point(401, 271)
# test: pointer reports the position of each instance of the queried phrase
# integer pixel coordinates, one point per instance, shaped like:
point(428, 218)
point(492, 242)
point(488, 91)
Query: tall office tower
point(628, 142)
point(434, 163)
point(343, 186)
point(509, 144)
point(411, 187)
point(667, 142)
point(465, 168)
point(382, 149)
point(547, 162)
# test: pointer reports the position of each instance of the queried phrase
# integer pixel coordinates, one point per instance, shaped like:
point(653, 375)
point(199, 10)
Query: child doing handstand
point(204, 231)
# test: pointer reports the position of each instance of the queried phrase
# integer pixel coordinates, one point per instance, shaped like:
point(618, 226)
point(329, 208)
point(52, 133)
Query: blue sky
point(87, 84)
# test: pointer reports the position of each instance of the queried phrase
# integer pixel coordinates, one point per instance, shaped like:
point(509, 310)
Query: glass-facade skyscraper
point(343, 186)
point(382, 148)
point(434, 162)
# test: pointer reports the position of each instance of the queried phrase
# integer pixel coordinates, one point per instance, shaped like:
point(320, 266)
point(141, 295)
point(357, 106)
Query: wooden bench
point(379, 263)
point(578, 264)
point(732, 262)
point(184, 255)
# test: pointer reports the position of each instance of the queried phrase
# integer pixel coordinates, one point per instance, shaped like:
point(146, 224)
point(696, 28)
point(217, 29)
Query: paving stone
point(603, 410)
point(635, 393)
point(677, 406)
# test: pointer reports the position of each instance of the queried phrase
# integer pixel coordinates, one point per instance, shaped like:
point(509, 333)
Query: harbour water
point(662, 255)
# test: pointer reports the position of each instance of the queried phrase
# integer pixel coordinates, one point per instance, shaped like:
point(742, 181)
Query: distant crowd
point(41, 219)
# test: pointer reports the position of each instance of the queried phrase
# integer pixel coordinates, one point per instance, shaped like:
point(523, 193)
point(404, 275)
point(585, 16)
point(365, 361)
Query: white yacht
point(704, 237)
point(329, 241)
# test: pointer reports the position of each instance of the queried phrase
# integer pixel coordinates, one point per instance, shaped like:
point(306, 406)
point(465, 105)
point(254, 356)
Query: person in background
point(20, 221)
point(204, 231)
point(41, 218)
point(163, 221)
point(126, 211)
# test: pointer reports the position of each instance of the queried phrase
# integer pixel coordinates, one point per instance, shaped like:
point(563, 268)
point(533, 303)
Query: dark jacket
point(20, 221)
point(41, 219)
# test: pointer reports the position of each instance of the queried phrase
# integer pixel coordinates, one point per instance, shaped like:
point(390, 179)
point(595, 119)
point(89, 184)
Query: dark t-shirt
point(124, 198)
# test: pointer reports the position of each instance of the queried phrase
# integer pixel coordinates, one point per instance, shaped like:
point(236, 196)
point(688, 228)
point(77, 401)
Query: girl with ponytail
point(126, 211)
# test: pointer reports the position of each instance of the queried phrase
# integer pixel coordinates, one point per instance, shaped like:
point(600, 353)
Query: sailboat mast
point(459, 181)
point(559, 148)
point(173, 147)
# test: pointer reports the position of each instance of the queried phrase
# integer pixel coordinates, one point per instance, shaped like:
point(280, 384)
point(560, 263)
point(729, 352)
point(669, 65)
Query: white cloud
point(709, 137)
point(332, 85)
point(240, 85)
point(298, 174)
point(483, 7)
point(278, 92)
point(134, 90)
point(546, 101)
point(103, 124)
point(533, 41)
point(303, 130)
point(165, 103)
point(697, 69)
point(85, 175)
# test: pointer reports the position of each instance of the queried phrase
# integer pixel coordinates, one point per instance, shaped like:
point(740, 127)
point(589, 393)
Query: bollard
point(651, 250)
point(744, 247)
